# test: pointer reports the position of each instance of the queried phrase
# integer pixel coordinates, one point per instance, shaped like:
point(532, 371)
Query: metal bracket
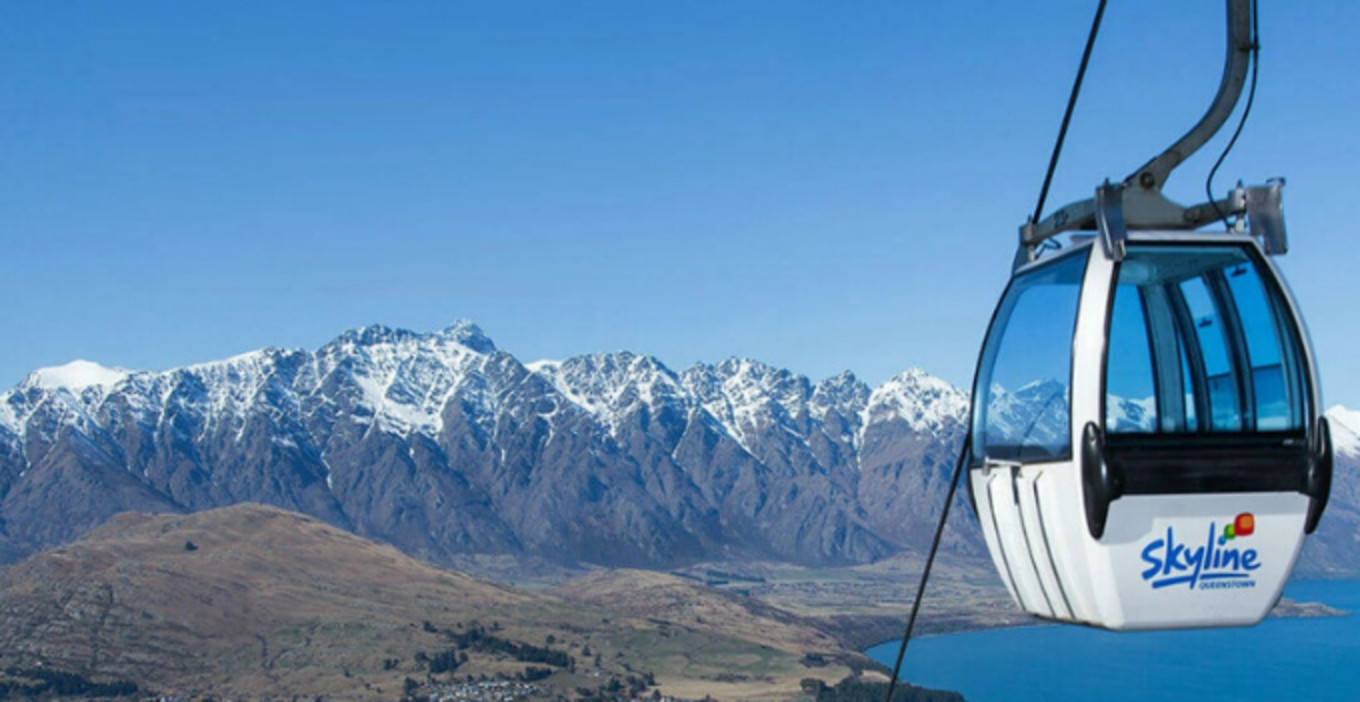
point(1114, 233)
point(1265, 213)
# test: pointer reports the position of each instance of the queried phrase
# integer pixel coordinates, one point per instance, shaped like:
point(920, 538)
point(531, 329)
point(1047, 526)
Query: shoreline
point(866, 606)
point(1287, 608)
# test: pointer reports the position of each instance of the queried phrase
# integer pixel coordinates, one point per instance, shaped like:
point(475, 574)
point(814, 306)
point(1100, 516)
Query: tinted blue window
point(1264, 344)
point(1024, 380)
point(1197, 335)
point(1214, 351)
point(1130, 391)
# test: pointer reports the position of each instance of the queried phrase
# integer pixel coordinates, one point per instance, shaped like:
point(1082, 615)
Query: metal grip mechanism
point(1114, 232)
point(1142, 204)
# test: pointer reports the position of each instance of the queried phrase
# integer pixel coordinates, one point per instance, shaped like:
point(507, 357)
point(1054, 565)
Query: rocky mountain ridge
point(442, 444)
point(446, 446)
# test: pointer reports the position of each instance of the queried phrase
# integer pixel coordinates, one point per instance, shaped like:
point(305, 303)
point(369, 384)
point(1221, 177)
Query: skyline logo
point(1217, 563)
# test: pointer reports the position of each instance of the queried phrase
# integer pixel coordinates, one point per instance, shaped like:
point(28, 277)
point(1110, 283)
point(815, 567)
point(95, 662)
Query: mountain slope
point(660, 596)
point(444, 445)
point(254, 602)
point(447, 447)
point(1332, 550)
point(246, 599)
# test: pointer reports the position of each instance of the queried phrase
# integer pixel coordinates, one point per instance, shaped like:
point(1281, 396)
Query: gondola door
point(1026, 398)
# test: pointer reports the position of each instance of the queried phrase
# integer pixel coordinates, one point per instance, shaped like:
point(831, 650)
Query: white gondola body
point(1204, 558)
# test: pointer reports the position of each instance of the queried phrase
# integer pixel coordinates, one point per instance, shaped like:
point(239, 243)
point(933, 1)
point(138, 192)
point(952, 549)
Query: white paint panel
point(1174, 566)
point(1035, 536)
point(1002, 491)
point(981, 485)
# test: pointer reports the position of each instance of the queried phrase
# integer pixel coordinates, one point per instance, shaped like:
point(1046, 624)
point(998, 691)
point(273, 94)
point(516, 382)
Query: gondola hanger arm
point(1154, 173)
point(1144, 206)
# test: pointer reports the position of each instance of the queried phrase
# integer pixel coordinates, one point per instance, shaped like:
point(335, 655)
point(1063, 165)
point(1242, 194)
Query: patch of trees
point(631, 687)
point(814, 660)
point(478, 638)
point(409, 687)
point(24, 683)
point(534, 674)
point(544, 660)
point(860, 690)
point(445, 661)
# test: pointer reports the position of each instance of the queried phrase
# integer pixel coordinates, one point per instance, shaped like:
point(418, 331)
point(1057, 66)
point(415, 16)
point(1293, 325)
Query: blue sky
point(822, 186)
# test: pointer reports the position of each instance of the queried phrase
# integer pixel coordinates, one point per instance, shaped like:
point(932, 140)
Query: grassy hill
point(252, 601)
point(746, 648)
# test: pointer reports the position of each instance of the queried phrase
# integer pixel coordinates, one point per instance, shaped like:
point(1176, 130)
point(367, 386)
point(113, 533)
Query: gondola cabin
point(1146, 449)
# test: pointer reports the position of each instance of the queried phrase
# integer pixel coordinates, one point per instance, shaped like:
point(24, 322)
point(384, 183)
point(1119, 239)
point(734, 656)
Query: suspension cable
point(930, 561)
point(963, 454)
point(1067, 116)
point(1246, 111)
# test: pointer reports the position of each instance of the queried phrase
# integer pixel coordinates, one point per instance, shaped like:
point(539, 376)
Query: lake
point(1280, 659)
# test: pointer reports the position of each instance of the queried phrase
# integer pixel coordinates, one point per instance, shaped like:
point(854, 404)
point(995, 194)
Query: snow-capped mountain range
point(401, 381)
point(444, 445)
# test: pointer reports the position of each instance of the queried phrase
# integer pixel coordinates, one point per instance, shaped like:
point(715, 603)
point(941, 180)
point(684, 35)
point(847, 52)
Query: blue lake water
point(1280, 659)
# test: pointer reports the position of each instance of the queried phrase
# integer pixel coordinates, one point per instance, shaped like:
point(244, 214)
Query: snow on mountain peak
point(461, 332)
point(921, 400)
point(401, 381)
point(744, 395)
point(75, 376)
point(844, 393)
point(738, 388)
point(1345, 425)
point(608, 385)
point(403, 377)
point(375, 334)
point(468, 334)
point(843, 383)
point(76, 388)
